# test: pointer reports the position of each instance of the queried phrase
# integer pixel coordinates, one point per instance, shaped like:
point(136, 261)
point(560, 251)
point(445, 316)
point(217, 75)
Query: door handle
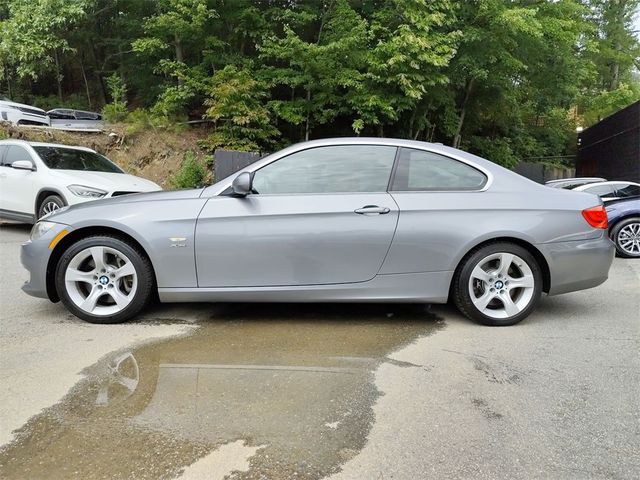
point(372, 209)
point(3, 175)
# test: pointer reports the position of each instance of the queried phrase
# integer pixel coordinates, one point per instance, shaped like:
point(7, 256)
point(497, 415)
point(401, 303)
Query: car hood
point(21, 105)
point(69, 215)
point(111, 182)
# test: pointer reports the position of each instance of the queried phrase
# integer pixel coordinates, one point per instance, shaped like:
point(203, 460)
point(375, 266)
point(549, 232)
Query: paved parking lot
point(310, 391)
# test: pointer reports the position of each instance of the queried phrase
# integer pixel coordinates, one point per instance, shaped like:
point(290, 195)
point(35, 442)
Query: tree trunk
point(307, 126)
point(98, 72)
point(179, 54)
point(86, 83)
point(58, 76)
point(178, 47)
point(615, 76)
point(457, 139)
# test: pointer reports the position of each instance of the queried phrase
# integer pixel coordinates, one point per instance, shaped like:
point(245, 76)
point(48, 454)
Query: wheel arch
point(621, 219)
point(537, 254)
point(78, 234)
point(43, 193)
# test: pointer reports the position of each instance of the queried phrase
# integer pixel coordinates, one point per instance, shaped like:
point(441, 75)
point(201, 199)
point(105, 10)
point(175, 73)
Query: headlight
point(86, 192)
point(39, 229)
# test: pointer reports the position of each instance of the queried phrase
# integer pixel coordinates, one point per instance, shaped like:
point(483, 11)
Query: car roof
point(11, 141)
point(576, 179)
point(610, 182)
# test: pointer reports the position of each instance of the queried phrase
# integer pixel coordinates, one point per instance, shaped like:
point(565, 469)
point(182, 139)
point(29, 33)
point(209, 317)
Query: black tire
point(460, 284)
point(143, 269)
point(47, 205)
point(614, 234)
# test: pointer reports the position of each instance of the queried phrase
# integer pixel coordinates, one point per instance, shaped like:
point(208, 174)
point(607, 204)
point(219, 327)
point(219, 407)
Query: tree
point(236, 102)
point(31, 38)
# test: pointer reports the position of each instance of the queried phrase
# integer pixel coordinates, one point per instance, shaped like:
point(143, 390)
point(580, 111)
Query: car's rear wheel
point(498, 284)
point(104, 279)
point(626, 236)
point(49, 205)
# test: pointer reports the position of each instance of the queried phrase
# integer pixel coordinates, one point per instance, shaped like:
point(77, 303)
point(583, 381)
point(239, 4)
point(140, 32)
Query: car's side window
point(421, 171)
point(602, 190)
point(628, 191)
point(15, 153)
point(3, 149)
point(331, 169)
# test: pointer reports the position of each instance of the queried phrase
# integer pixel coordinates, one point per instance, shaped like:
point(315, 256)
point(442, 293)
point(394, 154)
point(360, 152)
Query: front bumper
point(578, 265)
point(35, 256)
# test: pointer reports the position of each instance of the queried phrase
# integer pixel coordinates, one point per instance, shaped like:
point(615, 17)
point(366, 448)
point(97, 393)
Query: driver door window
point(335, 169)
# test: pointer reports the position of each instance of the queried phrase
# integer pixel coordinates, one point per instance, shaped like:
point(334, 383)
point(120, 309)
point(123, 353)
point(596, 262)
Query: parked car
point(609, 191)
point(624, 226)
point(37, 179)
point(338, 220)
point(69, 114)
point(21, 114)
point(570, 183)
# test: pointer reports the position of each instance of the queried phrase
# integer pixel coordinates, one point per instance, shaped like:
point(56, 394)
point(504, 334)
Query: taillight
point(596, 216)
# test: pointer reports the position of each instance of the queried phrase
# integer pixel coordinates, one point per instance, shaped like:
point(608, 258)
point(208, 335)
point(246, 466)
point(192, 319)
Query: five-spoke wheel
point(104, 279)
point(498, 284)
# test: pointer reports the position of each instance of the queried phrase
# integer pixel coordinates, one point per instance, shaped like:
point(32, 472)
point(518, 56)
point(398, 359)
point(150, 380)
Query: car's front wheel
point(50, 205)
point(104, 279)
point(626, 236)
point(498, 284)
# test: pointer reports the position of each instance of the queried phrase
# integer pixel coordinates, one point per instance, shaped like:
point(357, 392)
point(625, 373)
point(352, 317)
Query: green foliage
point(506, 79)
point(235, 104)
point(192, 173)
point(116, 111)
point(32, 37)
point(608, 102)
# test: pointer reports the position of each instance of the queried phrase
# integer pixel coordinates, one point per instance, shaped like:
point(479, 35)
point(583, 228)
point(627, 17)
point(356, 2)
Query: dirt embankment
point(152, 154)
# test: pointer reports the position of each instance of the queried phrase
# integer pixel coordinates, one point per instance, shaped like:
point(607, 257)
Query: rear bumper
point(578, 265)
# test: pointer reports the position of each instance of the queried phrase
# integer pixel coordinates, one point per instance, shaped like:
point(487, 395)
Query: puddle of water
point(296, 379)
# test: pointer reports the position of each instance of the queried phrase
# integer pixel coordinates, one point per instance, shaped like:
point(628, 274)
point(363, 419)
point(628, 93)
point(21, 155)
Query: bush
point(192, 173)
point(116, 111)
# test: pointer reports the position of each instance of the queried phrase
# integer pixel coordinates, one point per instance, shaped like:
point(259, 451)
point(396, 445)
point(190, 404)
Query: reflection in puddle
point(297, 379)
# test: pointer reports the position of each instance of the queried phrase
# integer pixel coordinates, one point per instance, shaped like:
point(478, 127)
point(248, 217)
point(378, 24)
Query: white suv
point(21, 114)
point(38, 178)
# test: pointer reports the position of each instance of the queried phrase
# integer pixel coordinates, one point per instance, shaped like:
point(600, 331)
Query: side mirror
point(23, 165)
point(242, 184)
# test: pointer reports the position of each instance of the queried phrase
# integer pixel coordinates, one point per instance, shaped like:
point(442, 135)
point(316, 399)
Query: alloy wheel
point(101, 280)
point(50, 207)
point(629, 239)
point(501, 285)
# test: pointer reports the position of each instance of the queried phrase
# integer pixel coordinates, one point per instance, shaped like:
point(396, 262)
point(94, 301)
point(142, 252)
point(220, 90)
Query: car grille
point(117, 194)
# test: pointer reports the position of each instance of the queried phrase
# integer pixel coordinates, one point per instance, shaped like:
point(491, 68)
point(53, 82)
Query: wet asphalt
point(311, 391)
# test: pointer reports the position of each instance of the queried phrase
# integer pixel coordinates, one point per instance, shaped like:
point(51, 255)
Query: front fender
point(165, 229)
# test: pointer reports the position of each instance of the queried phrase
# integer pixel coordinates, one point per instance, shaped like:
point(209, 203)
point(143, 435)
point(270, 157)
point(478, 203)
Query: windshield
point(71, 159)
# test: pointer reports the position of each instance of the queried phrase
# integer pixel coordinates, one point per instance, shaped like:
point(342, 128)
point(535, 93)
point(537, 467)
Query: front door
point(318, 216)
point(16, 186)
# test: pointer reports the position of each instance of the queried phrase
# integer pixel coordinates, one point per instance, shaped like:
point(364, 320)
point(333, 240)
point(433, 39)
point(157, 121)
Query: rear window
point(60, 158)
point(419, 170)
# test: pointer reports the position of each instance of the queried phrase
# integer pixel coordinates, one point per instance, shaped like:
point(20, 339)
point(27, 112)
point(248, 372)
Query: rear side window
point(420, 171)
point(2, 150)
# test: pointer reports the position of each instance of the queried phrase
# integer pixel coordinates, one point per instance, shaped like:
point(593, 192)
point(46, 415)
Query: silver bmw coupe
point(337, 220)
